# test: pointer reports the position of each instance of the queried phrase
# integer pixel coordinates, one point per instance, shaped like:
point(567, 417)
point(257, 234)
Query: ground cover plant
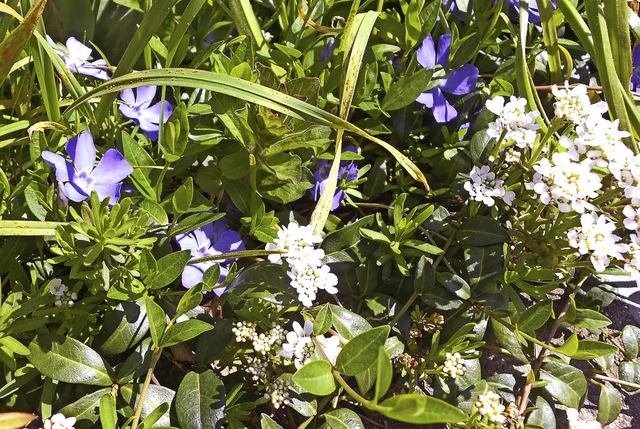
point(317, 213)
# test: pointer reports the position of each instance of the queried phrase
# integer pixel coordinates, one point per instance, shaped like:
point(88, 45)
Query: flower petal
point(444, 48)
point(636, 56)
point(187, 241)
point(427, 53)
point(74, 193)
point(108, 190)
point(144, 95)
point(127, 96)
point(113, 168)
point(82, 152)
point(192, 274)
point(96, 69)
point(229, 241)
point(77, 49)
point(426, 97)
point(442, 110)
point(63, 168)
point(152, 114)
point(461, 81)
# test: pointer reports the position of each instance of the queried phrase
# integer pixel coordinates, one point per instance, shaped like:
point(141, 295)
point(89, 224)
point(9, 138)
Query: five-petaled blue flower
point(138, 107)
point(209, 240)
point(534, 12)
point(78, 179)
point(635, 73)
point(459, 82)
point(348, 171)
point(77, 59)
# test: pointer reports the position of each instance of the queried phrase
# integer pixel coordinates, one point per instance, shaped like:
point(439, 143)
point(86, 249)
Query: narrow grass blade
point(28, 228)
point(13, 44)
point(550, 38)
point(187, 17)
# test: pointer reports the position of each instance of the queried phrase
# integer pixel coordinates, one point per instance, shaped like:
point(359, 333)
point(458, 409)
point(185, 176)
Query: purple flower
point(635, 73)
point(327, 51)
point(534, 12)
point(138, 107)
point(77, 59)
point(212, 239)
point(348, 171)
point(459, 82)
point(78, 179)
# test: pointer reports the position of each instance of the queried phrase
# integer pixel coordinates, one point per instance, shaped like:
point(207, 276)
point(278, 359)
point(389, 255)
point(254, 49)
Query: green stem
point(238, 254)
point(366, 403)
point(147, 381)
point(617, 381)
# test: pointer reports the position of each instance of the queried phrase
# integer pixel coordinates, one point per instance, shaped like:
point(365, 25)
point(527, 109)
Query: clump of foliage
point(316, 213)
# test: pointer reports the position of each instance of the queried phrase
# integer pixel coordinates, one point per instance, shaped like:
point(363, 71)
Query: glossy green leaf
point(406, 89)
point(200, 401)
point(482, 231)
point(184, 331)
point(420, 409)
point(425, 276)
point(108, 414)
point(361, 351)
point(343, 418)
point(384, 374)
point(535, 316)
point(589, 349)
point(122, 328)
point(86, 409)
point(629, 371)
point(157, 320)
point(316, 378)
point(16, 420)
point(169, 268)
point(323, 321)
point(543, 416)
point(68, 360)
point(609, 405)
point(156, 396)
point(565, 383)
point(267, 422)
point(631, 341)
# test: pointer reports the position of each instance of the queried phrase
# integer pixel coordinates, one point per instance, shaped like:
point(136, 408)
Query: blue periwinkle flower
point(534, 12)
point(209, 240)
point(458, 82)
point(635, 73)
point(138, 107)
point(77, 59)
point(348, 171)
point(77, 179)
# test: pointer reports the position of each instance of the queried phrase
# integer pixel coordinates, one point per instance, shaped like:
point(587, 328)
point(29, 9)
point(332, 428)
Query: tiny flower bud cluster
point(244, 331)
point(484, 187)
point(259, 369)
point(306, 271)
point(453, 365)
point(278, 393)
point(59, 421)
point(489, 406)
point(63, 295)
point(519, 125)
point(262, 343)
point(300, 347)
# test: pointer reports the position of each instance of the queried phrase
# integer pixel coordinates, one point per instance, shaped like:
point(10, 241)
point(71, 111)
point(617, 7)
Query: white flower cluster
point(300, 347)
point(278, 393)
point(306, 270)
point(489, 406)
point(59, 421)
point(574, 104)
point(596, 237)
point(262, 343)
point(453, 365)
point(484, 187)
point(63, 295)
point(259, 369)
point(519, 126)
point(575, 422)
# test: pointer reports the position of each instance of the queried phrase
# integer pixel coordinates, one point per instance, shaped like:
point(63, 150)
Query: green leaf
point(194, 221)
point(184, 331)
point(406, 89)
point(68, 360)
point(267, 422)
point(182, 197)
point(420, 409)
point(343, 418)
point(543, 416)
point(509, 340)
point(609, 405)
point(86, 409)
point(589, 349)
point(155, 415)
point(361, 351)
point(200, 401)
point(169, 268)
point(384, 374)
point(323, 321)
point(347, 323)
point(191, 299)
point(590, 319)
point(155, 210)
point(569, 347)
point(481, 231)
point(316, 378)
point(535, 316)
point(16, 420)
point(108, 415)
point(631, 341)
point(425, 275)
point(16, 346)
point(122, 328)
point(157, 320)
point(564, 382)
point(484, 263)
point(235, 165)
point(629, 371)
point(156, 396)
point(139, 157)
